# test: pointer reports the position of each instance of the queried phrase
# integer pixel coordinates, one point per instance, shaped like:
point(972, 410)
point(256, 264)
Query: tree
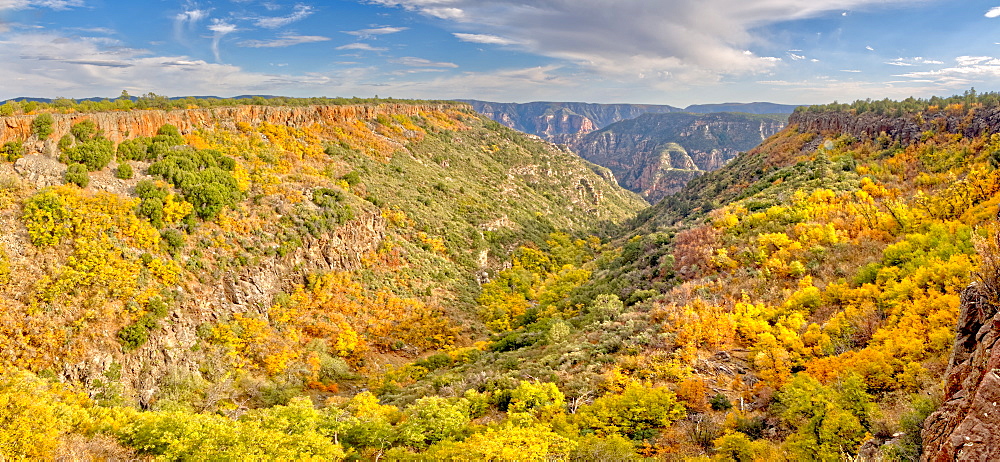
point(42, 125)
point(636, 413)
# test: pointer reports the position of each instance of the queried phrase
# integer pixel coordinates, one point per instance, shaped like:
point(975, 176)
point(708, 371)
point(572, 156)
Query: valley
point(411, 280)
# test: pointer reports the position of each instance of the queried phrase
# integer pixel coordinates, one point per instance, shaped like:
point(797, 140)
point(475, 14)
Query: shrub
point(77, 174)
point(134, 149)
point(720, 402)
point(202, 177)
point(124, 171)
point(85, 131)
point(174, 239)
point(94, 154)
point(12, 150)
point(42, 126)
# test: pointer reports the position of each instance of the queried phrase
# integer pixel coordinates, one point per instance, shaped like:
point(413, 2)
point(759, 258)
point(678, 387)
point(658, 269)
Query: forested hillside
point(439, 293)
point(202, 263)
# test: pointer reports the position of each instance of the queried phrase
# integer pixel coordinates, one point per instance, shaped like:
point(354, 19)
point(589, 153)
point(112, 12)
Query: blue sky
point(676, 52)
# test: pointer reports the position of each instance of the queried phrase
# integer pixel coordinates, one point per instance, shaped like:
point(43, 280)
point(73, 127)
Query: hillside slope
point(254, 252)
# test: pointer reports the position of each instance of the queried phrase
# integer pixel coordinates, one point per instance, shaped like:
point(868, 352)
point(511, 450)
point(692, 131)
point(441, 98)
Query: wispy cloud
point(284, 40)
point(186, 20)
point(967, 70)
point(421, 62)
point(220, 28)
point(485, 39)
point(375, 31)
point(693, 41)
point(361, 47)
point(299, 13)
point(906, 62)
point(52, 4)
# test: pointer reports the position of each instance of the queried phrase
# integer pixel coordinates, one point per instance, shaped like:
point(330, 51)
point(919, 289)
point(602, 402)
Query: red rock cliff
point(967, 425)
point(119, 126)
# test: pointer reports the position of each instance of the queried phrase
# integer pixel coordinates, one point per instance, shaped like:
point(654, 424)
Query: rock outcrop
point(967, 425)
point(904, 129)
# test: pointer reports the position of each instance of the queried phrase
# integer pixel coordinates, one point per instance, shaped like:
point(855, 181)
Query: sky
point(675, 52)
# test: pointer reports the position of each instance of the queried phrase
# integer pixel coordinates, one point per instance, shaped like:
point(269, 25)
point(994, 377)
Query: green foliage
point(827, 422)
point(11, 151)
point(84, 131)
point(42, 125)
point(136, 334)
point(637, 412)
point(133, 149)
point(432, 419)
point(273, 434)
point(720, 402)
point(124, 171)
point(204, 178)
point(173, 239)
point(47, 218)
point(94, 153)
point(910, 105)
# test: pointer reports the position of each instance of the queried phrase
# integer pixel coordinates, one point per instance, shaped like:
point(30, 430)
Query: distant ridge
point(133, 98)
point(750, 108)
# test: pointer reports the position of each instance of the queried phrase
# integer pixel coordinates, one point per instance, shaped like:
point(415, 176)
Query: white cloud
point(375, 31)
point(75, 67)
point(869, 48)
point(682, 40)
point(299, 13)
point(52, 4)
point(421, 62)
point(993, 12)
point(967, 70)
point(796, 57)
point(284, 40)
point(445, 13)
point(850, 70)
point(220, 28)
point(485, 38)
point(187, 20)
point(906, 62)
point(360, 46)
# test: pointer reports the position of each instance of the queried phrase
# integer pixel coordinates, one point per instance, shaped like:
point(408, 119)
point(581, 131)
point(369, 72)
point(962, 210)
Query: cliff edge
point(967, 425)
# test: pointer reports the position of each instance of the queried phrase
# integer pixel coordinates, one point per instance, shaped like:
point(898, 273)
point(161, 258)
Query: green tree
point(636, 413)
point(42, 125)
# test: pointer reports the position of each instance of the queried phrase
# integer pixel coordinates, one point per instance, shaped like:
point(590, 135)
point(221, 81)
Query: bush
point(134, 149)
point(85, 131)
point(77, 174)
point(720, 402)
point(12, 150)
point(202, 177)
point(94, 154)
point(174, 239)
point(42, 126)
point(124, 171)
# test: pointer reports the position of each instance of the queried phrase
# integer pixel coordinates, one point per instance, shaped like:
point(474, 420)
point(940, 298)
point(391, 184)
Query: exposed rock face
point(657, 154)
point(118, 126)
point(905, 129)
point(967, 425)
point(563, 122)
